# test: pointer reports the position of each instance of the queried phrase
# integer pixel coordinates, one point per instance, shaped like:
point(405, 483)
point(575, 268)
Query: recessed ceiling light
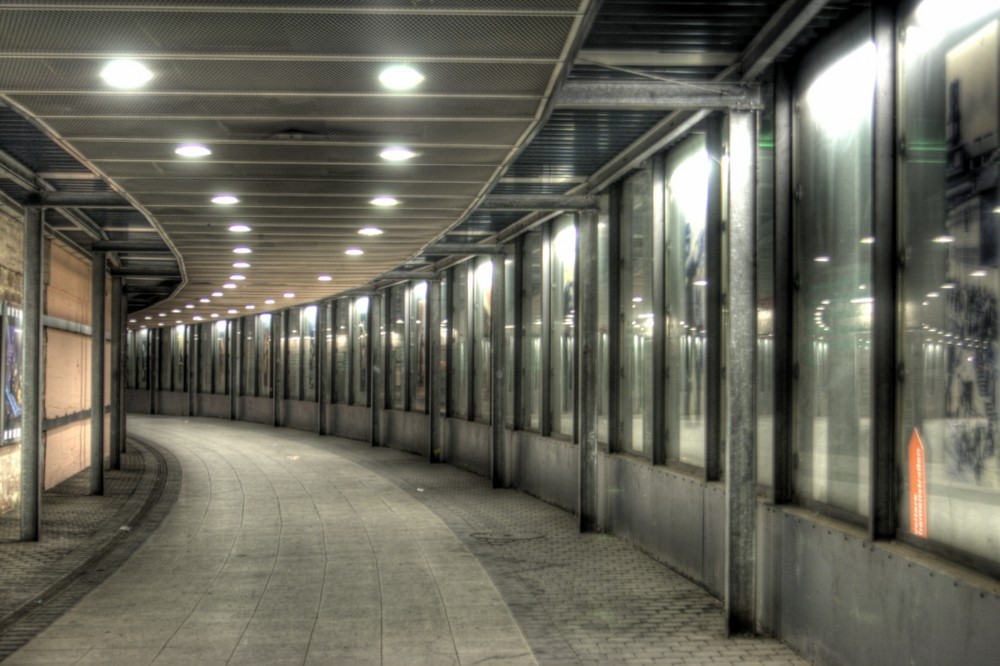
point(232, 310)
point(239, 228)
point(324, 278)
point(197, 317)
point(147, 317)
point(354, 252)
point(384, 201)
point(214, 315)
point(162, 314)
point(242, 250)
point(370, 231)
point(241, 264)
point(289, 294)
point(822, 259)
point(192, 150)
point(126, 74)
point(204, 300)
point(217, 294)
point(160, 324)
point(132, 321)
point(400, 77)
point(189, 306)
point(269, 301)
point(237, 277)
point(179, 321)
point(176, 311)
point(229, 285)
point(251, 306)
point(225, 199)
point(396, 154)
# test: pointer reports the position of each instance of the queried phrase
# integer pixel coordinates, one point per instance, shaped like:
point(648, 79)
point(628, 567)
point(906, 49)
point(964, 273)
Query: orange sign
point(918, 486)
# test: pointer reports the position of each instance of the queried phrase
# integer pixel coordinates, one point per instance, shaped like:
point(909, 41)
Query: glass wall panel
point(686, 272)
point(220, 377)
point(418, 347)
point(293, 354)
point(949, 460)
point(264, 357)
point(482, 322)
point(310, 313)
point(131, 360)
point(531, 373)
point(205, 358)
point(458, 385)
point(396, 375)
point(359, 365)
point(510, 302)
point(326, 372)
point(832, 156)
point(166, 362)
point(178, 352)
point(638, 317)
point(443, 344)
point(342, 351)
point(248, 381)
point(563, 304)
point(603, 323)
point(765, 295)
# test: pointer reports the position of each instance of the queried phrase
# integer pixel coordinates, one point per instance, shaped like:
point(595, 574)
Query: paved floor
point(286, 547)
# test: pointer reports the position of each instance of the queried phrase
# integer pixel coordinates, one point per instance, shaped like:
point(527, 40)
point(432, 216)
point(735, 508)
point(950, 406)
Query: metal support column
point(714, 430)
point(882, 507)
point(588, 280)
point(31, 414)
point(741, 479)
point(191, 346)
point(498, 380)
point(234, 332)
point(117, 370)
point(660, 439)
point(278, 364)
point(320, 373)
point(376, 390)
point(435, 385)
point(123, 364)
point(97, 305)
point(154, 369)
point(614, 315)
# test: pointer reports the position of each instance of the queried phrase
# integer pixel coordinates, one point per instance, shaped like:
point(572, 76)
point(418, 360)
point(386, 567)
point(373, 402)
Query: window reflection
point(531, 373)
point(458, 392)
point(482, 322)
point(359, 352)
point(342, 351)
point(637, 318)
point(563, 325)
point(397, 350)
point(418, 347)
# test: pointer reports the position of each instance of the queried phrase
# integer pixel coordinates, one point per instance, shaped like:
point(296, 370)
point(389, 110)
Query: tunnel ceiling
point(287, 98)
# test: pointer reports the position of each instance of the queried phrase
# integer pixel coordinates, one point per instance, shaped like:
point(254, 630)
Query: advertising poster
point(12, 345)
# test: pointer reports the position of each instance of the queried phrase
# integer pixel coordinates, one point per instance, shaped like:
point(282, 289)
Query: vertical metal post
point(321, 363)
point(587, 366)
point(233, 332)
point(123, 363)
point(714, 344)
point(659, 452)
point(783, 288)
point(152, 365)
point(470, 336)
point(614, 378)
point(31, 414)
point(516, 319)
point(545, 414)
point(117, 370)
point(741, 478)
point(885, 269)
point(278, 360)
point(435, 387)
point(191, 345)
point(376, 393)
point(97, 328)
point(498, 382)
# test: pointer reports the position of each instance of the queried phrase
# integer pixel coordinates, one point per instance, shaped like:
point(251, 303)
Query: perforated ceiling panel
point(287, 98)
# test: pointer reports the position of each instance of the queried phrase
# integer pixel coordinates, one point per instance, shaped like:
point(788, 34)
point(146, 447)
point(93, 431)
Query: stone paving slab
point(287, 547)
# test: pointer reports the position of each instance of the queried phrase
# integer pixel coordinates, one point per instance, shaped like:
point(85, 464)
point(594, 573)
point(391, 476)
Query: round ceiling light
point(400, 77)
point(384, 201)
point(370, 231)
point(126, 74)
point(237, 277)
point(239, 228)
point(396, 154)
point(354, 252)
point(242, 250)
point(324, 278)
point(289, 294)
point(192, 150)
point(217, 294)
point(225, 199)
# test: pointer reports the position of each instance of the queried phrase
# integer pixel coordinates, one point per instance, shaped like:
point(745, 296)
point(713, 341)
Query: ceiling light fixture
point(241, 264)
point(324, 278)
point(384, 201)
point(126, 74)
point(229, 285)
point(192, 150)
point(239, 228)
point(354, 252)
point(370, 231)
point(242, 250)
point(397, 154)
point(251, 306)
point(204, 300)
point(189, 306)
point(232, 310)
point(225, 199)
point(289, 294)
point(214, 315)
point(237, 277)
point(217, 294)
point(400, 77)
point(269, 301)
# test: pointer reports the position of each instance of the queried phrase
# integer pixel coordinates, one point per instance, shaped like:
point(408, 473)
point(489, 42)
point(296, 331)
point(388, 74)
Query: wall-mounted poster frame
point(11, 346)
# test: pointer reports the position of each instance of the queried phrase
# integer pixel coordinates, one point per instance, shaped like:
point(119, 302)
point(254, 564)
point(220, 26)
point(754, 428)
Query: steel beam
point(144, 272)
point(129, 247)
point(501, 202)
point(117, 372)
point(657, 95)
point(435, 385)
point(741, 477)
point(784, 26)
point(106, 200)
point(31, 413)
point(409, 275)
point(498, 379)
point(463, 249)
point(588, 358)
point(97, 307)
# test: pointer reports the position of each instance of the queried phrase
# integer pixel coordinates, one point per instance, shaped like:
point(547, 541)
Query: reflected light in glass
point(565, 245)
point(935, 19)
point(420, 290)
point(192, 150)
point(977, 274)
point(868, 240)
point(361, 303)
point(822, 259)
point(126, 74)
point(841, 97)
point(484, 275)
point(689, 189)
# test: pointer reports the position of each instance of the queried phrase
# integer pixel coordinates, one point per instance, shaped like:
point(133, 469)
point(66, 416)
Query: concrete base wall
point(172, 403)
point(350, 421)
point(301, 415)
point(467, 445)
point(407, 431)
point(257, 410)
point(545, 468)
point(208, 404)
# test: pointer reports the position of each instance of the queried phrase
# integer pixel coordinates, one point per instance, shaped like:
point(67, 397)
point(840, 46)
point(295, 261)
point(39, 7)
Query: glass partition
point(638, 316)
point(949, 458)
point(482, 322)
point(458, 385)
point(293, 354)
point(163, 342)
point(248, 362)
point(686, 272)
point(563, 325)
point(359, 352)
point(396, 372)
point(326, 372)
point(220, 377)
point(418, 347)
point(264, 355)
point(178, 352)
point(342, 351)
point(765, 294)
point(310, 314)
point(531, 371)
point(205, 362)
point(832, 157)
point(603, 322)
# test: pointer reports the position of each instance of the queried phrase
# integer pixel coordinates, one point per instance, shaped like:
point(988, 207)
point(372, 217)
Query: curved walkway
point(286, 547)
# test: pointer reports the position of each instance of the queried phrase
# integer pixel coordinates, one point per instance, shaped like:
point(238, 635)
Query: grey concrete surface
point(287, 547)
